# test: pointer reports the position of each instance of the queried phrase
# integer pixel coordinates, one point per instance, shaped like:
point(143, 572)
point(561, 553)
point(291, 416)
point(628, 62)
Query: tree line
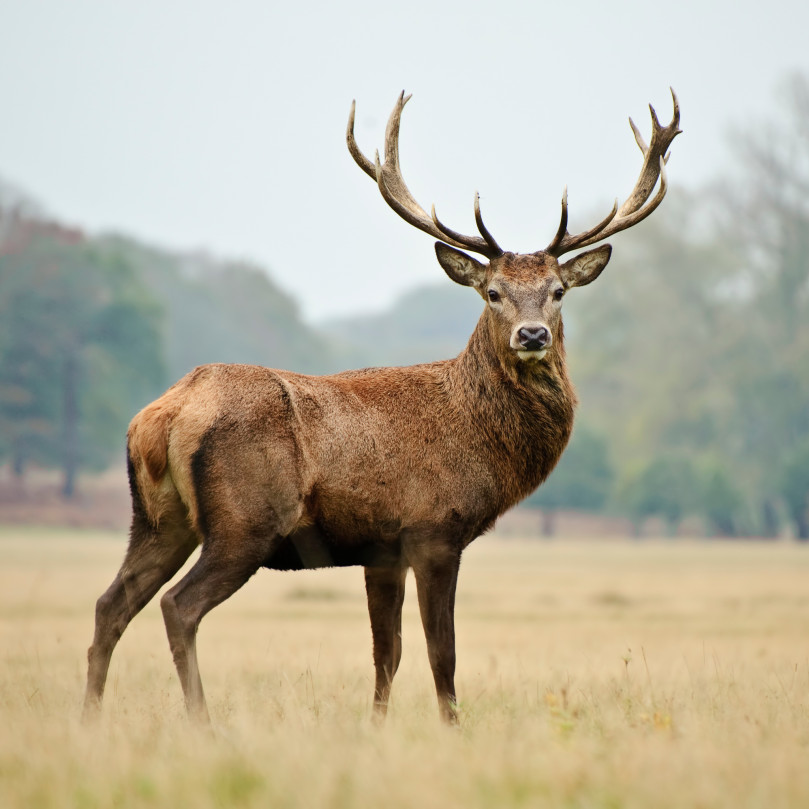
point(692, 357)
point(689, 354)
point(92, 329)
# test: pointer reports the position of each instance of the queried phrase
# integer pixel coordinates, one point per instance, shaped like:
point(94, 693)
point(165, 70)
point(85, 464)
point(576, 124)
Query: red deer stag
point(389, 468)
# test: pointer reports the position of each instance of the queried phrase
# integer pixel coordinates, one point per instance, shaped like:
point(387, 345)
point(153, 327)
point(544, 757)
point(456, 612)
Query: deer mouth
point(532, 356)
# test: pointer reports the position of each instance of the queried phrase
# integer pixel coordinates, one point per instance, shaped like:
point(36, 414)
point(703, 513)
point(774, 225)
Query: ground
point(590, 673)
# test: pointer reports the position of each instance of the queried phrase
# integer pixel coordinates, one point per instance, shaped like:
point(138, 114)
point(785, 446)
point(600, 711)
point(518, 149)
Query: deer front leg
point(385, 588)
point(436, 576)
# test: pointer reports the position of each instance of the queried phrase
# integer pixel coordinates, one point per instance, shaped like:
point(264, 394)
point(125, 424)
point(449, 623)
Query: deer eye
point(559, 294)
point(494, 295)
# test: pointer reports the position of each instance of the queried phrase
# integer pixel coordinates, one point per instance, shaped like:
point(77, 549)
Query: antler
point(633, 210)
point(388, 176)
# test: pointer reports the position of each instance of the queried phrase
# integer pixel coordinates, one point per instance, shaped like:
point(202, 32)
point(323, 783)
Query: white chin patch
point(532, 356)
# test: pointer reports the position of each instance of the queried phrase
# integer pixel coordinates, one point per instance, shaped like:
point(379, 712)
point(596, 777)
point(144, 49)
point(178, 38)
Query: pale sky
point(220, 126)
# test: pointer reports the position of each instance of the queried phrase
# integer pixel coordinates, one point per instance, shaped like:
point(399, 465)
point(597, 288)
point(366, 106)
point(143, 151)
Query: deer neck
point(523, 411)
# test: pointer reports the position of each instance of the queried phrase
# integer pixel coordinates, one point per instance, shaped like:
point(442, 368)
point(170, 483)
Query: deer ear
point(586, 267)
point(461, 268)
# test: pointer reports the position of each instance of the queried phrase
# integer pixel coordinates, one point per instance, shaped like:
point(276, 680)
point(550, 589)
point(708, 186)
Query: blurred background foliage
point(690, 354)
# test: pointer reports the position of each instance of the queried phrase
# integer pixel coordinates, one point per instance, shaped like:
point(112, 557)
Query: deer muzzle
point(531, 341)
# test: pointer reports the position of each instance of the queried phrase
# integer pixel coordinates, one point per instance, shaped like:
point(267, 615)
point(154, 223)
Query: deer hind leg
point(220, 571)
point(385, 588)
point(153, 556)
point(436, 573)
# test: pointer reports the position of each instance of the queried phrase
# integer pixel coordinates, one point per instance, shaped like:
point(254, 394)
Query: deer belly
point(310, 548)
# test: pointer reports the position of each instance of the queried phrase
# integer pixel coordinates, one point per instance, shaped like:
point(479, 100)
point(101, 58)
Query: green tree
point(719, 498)
point(767, 220)
point(429, 323)
point(793, 484)
point(28, 410)
point(80, 349)
point(665, 487)
point(218, 311)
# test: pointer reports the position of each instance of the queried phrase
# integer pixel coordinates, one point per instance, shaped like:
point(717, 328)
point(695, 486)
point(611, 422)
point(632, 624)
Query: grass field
point(609, 674)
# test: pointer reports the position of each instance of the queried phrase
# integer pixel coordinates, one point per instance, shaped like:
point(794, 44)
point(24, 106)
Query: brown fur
point(390, 468)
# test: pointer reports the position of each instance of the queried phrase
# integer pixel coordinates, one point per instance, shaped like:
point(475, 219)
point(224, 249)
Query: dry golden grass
point(590, 674)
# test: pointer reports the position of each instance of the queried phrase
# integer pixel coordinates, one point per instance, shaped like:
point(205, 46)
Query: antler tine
point(394, 190)
point(561, 231)
point(390, 173)
point(359, 158)
point(636, 206)
point(563, 241)
point(482, 229)
point(494, 247)
point(638, 137)
point(392, 131)
point(659, 144)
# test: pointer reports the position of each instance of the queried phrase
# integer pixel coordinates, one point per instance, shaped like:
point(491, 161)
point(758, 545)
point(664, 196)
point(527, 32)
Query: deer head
point(523, 292)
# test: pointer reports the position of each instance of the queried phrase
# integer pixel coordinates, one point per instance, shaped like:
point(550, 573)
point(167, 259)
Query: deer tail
point(147, 458)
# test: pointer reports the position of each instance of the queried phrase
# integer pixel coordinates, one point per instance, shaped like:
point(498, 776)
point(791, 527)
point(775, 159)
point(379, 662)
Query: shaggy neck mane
point(523, 412)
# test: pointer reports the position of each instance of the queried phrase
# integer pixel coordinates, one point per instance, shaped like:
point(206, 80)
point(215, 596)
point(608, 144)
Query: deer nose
point(533, 338)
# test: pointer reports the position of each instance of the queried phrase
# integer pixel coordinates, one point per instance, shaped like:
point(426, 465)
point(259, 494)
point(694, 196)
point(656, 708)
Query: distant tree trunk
point(70, 425)
point(802, 524)
point(548, 524)
point(769, 516)
point(18, 461)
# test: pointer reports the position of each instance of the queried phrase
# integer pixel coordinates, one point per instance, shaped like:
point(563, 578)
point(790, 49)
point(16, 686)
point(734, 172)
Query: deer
point(392, 469)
